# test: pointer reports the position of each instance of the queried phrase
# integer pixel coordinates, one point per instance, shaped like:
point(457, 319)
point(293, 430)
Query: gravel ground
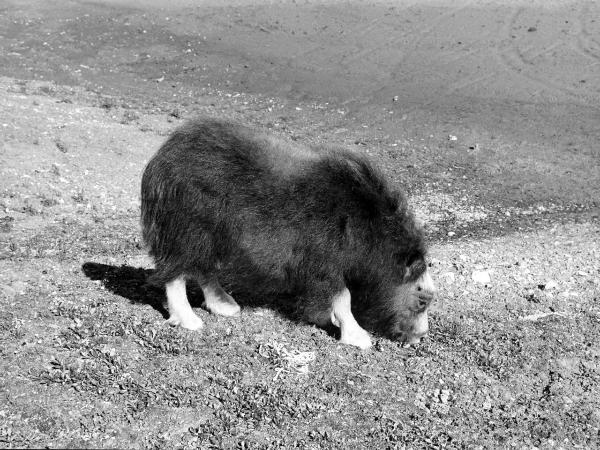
point(512, 360)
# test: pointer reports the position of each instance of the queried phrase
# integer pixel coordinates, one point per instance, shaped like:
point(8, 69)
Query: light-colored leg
point(420, 328)
point(217, 301)
point(341, 316)
point(180, 311)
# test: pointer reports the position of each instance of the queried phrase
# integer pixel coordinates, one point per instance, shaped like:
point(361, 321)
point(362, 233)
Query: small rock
point(451, 137)
point(6, 224)
point(445, 395)
point(531, 29)
point(569, 294)
point(60, 145)
point(395, 99)
point(481, 276)
point(449, 277)
point(451, 233)
point(531, 297)
point(540, 315)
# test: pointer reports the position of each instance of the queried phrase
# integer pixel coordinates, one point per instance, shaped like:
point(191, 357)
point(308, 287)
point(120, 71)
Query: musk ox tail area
point(184, 217)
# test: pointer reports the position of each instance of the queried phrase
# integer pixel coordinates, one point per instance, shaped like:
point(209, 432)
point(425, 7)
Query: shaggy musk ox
point(318, 225)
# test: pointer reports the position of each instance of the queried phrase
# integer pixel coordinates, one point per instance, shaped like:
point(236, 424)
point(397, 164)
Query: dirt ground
point(485, 112)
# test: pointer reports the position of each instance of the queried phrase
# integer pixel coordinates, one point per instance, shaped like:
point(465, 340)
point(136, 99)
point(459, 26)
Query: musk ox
point(319, 225)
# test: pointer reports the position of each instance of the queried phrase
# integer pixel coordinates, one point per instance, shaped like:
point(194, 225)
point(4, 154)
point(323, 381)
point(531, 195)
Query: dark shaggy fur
point(277, 219)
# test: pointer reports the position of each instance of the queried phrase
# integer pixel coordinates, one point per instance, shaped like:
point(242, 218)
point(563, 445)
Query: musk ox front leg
point(341, 316)
point(217, 301)
point(180, 311)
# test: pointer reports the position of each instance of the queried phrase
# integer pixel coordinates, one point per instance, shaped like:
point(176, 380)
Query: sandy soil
point(485, 112)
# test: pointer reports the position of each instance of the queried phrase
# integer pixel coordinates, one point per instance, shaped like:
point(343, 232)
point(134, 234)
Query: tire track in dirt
point(358, 32)
point(452, 89)
point(421, 34)
point(412, 39)
point(451, 57)
point(410, 47)
point(585, 43)
point(514, 61)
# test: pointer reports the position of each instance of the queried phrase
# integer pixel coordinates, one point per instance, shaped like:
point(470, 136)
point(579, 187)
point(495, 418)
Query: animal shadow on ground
point(132, 283)
point(129, 282)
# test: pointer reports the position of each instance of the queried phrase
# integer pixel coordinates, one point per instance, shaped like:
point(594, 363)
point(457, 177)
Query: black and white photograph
point(300, 224)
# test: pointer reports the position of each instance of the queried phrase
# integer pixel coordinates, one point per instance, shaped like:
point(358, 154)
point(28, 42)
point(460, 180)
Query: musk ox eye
point(414, 266)
point(405, 260)
point(422, 304)
point(418, 268)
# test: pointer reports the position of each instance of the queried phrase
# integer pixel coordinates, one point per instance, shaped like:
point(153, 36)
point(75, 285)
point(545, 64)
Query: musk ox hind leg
point(341, 316)
point(216, 300)
point(180, 311)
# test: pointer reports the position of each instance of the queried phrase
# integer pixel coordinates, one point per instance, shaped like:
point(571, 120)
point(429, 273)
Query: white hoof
point(189, 322)
point(223, 305)
point(357, 337)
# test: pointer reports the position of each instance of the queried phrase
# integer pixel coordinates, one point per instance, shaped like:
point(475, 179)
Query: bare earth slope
point(485, 112)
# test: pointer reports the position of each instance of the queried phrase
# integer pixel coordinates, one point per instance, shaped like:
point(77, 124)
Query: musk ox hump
point(353, 173)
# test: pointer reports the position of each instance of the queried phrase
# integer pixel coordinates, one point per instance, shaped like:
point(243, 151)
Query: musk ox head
point(390, 283)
